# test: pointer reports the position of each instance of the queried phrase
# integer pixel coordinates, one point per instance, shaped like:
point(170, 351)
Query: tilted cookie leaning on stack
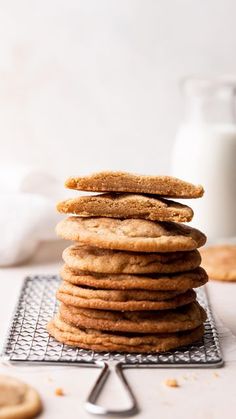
point(128, 280)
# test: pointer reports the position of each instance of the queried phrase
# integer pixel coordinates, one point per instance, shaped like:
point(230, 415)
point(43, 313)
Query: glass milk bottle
point(205, 152)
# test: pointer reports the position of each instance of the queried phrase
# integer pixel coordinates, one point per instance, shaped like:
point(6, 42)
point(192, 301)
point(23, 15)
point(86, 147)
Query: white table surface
point(203, 394)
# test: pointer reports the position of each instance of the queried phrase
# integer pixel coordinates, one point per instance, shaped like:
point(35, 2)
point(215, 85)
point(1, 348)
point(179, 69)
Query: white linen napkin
point(27, 212)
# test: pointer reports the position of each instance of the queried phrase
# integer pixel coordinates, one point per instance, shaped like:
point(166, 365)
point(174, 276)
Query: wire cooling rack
point(28, 342)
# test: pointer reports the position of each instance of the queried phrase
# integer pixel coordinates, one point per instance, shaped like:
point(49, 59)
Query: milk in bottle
point(205, 152)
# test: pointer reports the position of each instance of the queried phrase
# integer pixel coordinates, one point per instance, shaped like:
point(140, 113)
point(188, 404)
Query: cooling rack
point(28, 342)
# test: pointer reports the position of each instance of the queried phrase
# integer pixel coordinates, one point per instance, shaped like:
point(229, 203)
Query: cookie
point(128, 182)
point(17, 399)
point(126, 206)
point(104, 341)
point(115, 295)
point(79, 257)
point(169, 282)
point(132, 234)
point(220, 262)
point(130, 300)
point(183, 318)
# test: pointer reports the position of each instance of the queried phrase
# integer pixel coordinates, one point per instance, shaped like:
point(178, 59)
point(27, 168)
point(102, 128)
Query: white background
point(93, 84)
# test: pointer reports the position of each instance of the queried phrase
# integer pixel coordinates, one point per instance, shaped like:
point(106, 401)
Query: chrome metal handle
point(96, 409)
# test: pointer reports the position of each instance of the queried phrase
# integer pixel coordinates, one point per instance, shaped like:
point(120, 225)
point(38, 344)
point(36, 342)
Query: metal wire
point(28, 340)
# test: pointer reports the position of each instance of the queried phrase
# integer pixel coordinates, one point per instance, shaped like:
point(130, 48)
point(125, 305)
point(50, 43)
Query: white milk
point(205, 153)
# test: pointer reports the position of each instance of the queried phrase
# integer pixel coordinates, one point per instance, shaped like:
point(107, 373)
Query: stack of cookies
point(128, 280)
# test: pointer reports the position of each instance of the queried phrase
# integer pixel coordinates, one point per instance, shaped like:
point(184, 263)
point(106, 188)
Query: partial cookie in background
point(183, 318)
point(126, 206)
point(17, 399)
point(131, 234)
point(92, 259)
point(169, 282)
point(121, 300)
point(115, 341)
point(220, 262)
point(126, 182)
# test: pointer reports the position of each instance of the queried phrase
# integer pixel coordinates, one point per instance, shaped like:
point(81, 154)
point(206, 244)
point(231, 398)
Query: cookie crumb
point(171, 382)
point(59, 391)
point(216, 375)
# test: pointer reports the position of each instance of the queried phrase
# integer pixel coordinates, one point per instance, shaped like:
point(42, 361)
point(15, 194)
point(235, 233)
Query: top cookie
point(123, 205)
point(127, 182)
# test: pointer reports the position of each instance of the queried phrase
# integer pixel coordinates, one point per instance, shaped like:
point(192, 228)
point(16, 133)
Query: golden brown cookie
point(132, 234)
point(126, 206)
point(128, 182)
point(130, 300)
point(169, 282)
point(115, 295)
point(220, 262)
point(104, 341)
point(17, 399)
point(183, 318)
point(79, 257)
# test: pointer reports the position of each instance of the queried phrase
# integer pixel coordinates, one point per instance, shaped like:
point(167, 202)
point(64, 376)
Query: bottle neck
point(210, 110)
